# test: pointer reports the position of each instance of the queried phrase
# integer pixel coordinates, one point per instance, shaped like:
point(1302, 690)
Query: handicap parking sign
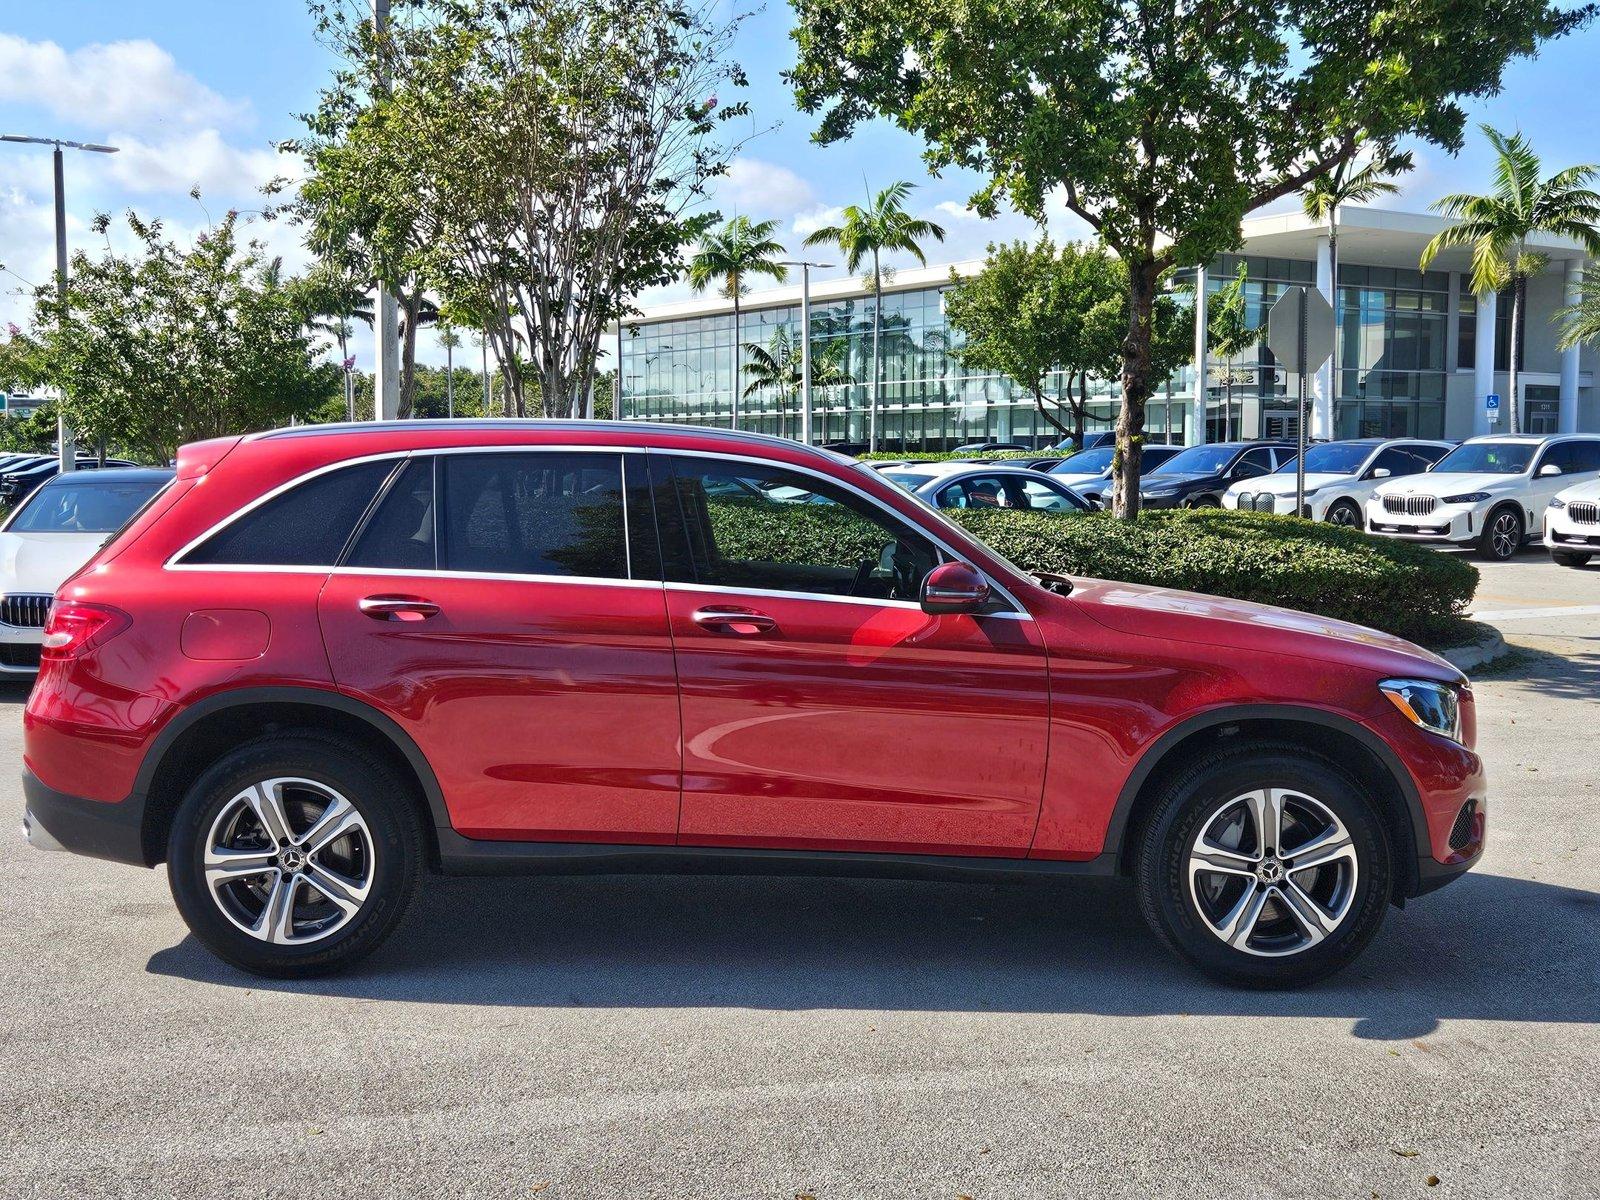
point(1492, 403)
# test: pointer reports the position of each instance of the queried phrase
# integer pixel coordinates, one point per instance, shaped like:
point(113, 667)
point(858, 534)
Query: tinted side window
point(748, 525)
point(1043, 498)
point(1255, 462)
point(400, 533)
point(1562, 454)
point(1428, 454)
point(533, 513)
point(1586, 456)
point(1399, 462)
point(306, 526)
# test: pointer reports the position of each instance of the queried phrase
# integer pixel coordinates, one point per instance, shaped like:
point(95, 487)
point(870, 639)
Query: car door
point(502, 608)
point(822, 708)
point(1579, 462)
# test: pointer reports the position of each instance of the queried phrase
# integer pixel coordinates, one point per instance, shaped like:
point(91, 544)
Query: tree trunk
point(1519, 291)
point(1080, 411)
point(1038, 403)
point(344, 366)
point(738, 354)
point(1142, 277)
point(877, 356)
point(411, 306)
point(1333, 371)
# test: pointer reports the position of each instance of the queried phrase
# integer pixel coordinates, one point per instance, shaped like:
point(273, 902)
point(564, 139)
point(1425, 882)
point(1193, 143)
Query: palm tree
point(1351, 182)
point(882, 227)
point(1230, 334)
point(1580, 322)
point(778, 366)
point(1497, 227)
point(741, 248)
point(449, 339)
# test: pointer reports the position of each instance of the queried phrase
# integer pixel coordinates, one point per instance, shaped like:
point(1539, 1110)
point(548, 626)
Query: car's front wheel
point(1345, 512)
point(1264, 866)
point(1502, 534)
point(294, 855)
point(1569, 558)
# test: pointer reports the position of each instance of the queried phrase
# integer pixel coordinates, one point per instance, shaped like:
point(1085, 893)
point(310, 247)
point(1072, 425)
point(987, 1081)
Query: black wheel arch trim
point(1157, 751)
point(217, 702)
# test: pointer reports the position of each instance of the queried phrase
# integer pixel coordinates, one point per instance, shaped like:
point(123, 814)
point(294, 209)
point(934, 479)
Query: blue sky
point(197, 92)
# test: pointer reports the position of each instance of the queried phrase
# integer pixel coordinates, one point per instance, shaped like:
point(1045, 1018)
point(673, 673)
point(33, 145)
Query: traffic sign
point(1492, 403)
point(1300, 312)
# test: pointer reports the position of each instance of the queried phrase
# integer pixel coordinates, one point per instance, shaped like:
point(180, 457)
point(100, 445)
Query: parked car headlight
point(1466, 498)
point(1557, 502)
point(1433, 706)
point(1160, 493)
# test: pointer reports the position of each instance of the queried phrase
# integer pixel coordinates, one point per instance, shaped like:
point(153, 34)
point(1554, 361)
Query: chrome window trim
point(879, 505)
point(175, 563)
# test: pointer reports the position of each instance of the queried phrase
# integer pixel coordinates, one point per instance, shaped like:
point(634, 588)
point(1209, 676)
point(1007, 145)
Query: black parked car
point(17, 485)
point(1197, 477)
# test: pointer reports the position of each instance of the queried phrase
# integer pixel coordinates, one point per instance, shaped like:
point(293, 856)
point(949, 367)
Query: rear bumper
point(56, 821)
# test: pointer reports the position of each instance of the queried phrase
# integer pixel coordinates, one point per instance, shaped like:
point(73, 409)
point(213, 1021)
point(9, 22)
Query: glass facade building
point(1406, 347)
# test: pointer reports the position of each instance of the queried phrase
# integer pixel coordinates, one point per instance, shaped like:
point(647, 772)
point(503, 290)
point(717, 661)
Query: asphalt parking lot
point(747, 1037)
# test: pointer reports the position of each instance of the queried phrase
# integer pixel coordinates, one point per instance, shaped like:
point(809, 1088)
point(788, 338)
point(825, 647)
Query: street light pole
point(66, 450)
point(805, 343)
point(385, 311)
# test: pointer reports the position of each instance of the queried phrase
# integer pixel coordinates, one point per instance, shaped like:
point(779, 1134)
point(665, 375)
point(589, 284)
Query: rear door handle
point(397, 608)
point(745, 621)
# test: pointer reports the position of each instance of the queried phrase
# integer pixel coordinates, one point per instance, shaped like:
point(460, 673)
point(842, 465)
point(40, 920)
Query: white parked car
point(971, 485)
point(1340, 478)
point(1088, 472)
point(1572, 524)
point(48, 537)
point(1489, 491)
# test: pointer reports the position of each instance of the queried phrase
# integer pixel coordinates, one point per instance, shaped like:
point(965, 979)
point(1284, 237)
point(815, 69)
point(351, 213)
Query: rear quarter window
point(305, 526)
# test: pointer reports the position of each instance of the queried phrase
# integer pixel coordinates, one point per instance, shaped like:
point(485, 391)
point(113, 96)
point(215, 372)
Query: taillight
point(73, 629)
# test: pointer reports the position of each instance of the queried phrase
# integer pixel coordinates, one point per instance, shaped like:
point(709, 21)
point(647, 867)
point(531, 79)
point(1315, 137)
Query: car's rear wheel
point(1264, 866)
point(1345, 512)
point(1502, 534)
point(294, 855)
point(1569, 558)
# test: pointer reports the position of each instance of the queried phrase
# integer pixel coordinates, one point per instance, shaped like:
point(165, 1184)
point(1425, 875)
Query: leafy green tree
point(1230, 333)
point(882, 227)
point(171, 344)
point(728, 257)
point(1498, 225)
point(1159, 125)
point(777, 367)
point(555, 156)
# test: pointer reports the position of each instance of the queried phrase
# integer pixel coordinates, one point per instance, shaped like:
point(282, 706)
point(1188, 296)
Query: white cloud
point(817, 218)
point(753, 185)
point(956, 211)
point(129, 85)
point(176, 164)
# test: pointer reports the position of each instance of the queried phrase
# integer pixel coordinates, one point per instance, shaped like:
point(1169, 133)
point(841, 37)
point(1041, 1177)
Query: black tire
point(1570, 558)
point(1347, 513)
point(1503, 534)
point(1202, 796)
point(1206, 502)
point(390, 845)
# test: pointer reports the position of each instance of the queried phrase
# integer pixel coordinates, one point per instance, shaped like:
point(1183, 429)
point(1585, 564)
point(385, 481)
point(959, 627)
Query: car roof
point(941, 469)
point(1530, 439)
point(113, 475)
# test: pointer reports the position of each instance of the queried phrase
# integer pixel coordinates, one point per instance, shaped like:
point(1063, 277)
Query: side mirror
point(1549, 469)
point(1379, 473)
point(954, 587)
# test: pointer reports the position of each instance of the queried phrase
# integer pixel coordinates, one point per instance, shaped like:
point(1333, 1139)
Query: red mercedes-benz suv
point(326, 659)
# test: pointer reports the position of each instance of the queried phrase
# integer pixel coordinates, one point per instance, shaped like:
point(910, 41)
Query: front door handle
point(745, 621)
point(397, 608)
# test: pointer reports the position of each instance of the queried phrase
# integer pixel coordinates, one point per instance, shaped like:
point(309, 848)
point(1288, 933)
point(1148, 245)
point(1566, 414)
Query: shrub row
point(1335, 572)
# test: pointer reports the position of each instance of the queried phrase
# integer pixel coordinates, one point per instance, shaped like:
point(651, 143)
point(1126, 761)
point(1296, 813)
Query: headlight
point(1162, 494)
point(1466, 498)
point(1434, 706)
point(1557, 502)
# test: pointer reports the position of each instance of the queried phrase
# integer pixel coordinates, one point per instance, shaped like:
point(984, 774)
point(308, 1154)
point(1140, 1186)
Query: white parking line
point(1523, 614)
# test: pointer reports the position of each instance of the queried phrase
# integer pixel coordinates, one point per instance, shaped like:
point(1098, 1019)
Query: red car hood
point(1140, 610)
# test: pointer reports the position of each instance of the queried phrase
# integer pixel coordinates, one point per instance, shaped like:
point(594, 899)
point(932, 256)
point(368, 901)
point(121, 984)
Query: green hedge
point(1336, 572)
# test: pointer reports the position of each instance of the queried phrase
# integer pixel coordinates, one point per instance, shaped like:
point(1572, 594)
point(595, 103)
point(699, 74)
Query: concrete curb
point(1489, 647)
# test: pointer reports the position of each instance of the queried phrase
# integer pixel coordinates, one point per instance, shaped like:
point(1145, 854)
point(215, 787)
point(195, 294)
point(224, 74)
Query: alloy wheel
point(1273, 872)
point(1344, 514)
point(289, 861)
point(1504, 534)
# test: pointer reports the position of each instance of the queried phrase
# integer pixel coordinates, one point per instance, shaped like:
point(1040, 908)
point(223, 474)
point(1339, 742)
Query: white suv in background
point(1492, 491)
point(1340, 477)
point(1572, 524)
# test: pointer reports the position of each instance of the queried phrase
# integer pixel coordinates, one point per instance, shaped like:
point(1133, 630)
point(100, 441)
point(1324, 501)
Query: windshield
point(1200, 460)
point(1090, 462)
point(1334, 458)
point(1489, 458)
point(83, 507)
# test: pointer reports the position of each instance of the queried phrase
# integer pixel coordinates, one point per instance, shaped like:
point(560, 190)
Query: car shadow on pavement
point(1487, 948)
